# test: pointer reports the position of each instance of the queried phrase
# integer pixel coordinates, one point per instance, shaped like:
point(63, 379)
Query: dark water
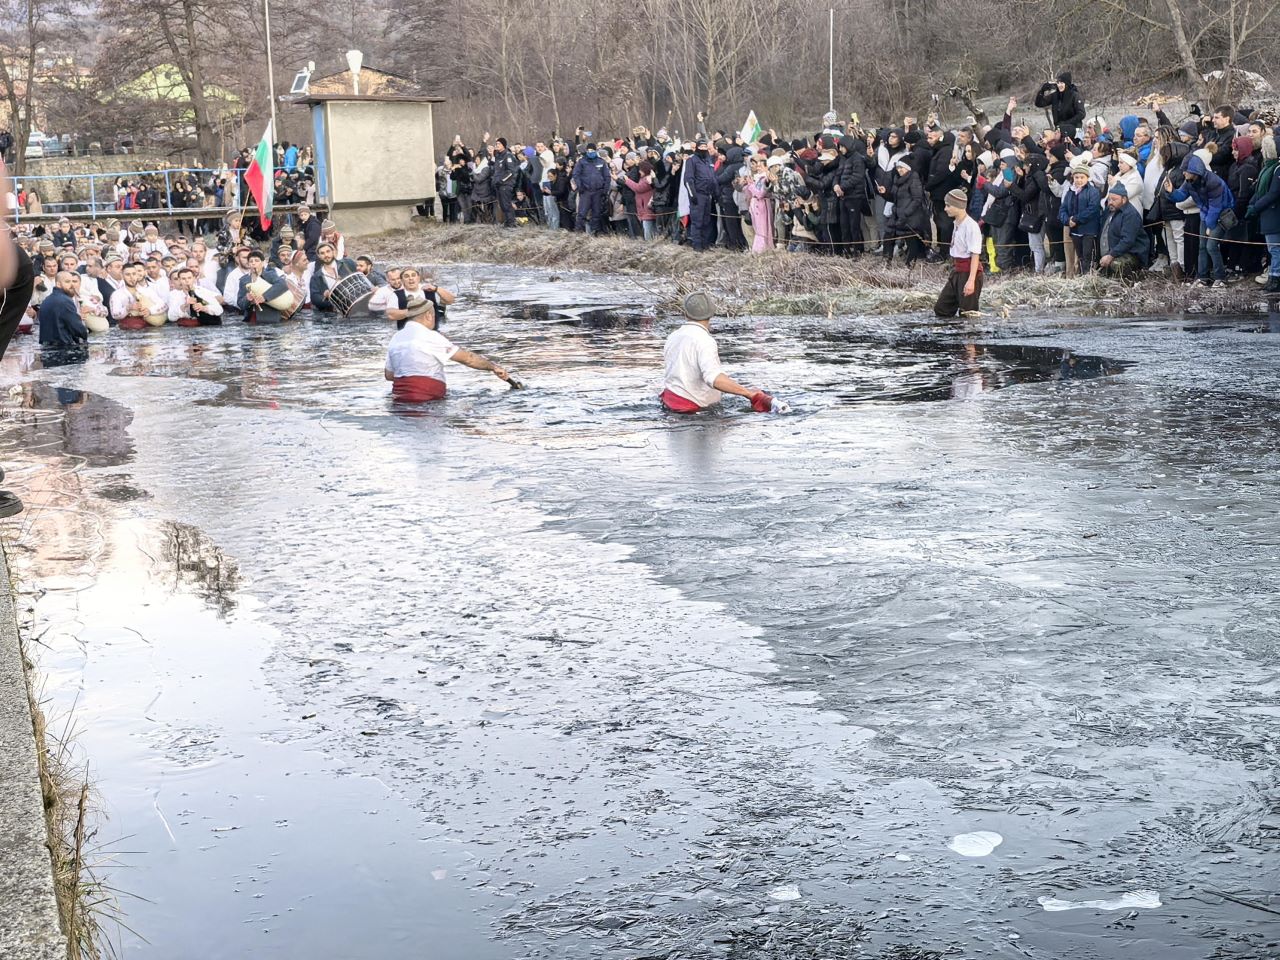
point(550, 674)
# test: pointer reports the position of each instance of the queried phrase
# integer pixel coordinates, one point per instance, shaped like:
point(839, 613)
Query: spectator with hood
point(1065, 104)
point(1213, 197)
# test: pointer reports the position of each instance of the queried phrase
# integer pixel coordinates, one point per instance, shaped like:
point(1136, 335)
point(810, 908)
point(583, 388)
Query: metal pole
point(831, 58)
point(271, 77)
point(93, 197)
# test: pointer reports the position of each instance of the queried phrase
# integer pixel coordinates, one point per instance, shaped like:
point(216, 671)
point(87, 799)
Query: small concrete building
point(375, 157)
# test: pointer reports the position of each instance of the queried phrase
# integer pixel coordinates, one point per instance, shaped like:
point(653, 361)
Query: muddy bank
point(797, 283)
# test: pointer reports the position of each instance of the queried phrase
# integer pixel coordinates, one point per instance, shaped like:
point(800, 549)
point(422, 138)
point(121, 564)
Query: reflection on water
point(197, 564)
point(87, 425)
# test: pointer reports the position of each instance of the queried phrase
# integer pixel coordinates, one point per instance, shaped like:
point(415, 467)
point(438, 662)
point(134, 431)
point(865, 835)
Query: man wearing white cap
point(1131, 179)
point(694, 378)
point(416, 357)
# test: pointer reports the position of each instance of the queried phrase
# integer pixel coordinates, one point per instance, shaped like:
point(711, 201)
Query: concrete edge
point(29, 925)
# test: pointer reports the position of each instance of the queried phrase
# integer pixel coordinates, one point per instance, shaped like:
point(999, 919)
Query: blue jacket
point(60, 323)
point(291, 159)
point(1209, 191)
point(1266, 206)
point(1125, 234)
point(591, 176)
point(1085, 208)
point(700, 180)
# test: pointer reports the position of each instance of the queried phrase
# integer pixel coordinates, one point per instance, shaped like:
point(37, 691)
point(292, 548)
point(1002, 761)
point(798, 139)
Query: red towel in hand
point(761, 402)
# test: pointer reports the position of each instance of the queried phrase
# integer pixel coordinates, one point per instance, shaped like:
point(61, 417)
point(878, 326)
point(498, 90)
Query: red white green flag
point(260, 179)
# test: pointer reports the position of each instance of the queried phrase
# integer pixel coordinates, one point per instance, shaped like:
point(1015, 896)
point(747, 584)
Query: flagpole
point(271, 75)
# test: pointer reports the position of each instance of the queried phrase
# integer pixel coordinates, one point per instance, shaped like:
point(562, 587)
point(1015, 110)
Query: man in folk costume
point(191, 305)
point(326, 272)
point(694, 379)
point(417, 354)
point(128, 305)
point(255, 302)
point(415, 292)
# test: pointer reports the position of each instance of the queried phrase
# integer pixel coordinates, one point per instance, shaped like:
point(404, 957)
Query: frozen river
point(975, 654)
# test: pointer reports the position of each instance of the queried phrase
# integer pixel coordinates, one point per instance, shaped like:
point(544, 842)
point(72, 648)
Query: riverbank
point(29, 928)
point(797, 283)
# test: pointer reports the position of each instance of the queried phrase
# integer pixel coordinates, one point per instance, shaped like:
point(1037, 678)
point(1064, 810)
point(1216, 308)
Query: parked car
point(35, 145)
point(53, 147)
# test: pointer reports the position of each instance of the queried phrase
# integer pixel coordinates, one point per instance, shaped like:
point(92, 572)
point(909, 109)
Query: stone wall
point(78, 169)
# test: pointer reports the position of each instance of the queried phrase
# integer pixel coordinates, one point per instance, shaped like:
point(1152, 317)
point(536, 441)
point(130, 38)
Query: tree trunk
point(1195, 79)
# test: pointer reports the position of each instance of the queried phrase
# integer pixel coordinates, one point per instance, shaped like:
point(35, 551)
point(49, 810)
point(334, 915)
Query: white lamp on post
point(354, 59)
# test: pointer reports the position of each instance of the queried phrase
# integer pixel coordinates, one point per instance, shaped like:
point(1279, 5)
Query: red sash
point(417, 389)
point(188, 322)
point(133, 323)
point(962, 266)
point(678, 404)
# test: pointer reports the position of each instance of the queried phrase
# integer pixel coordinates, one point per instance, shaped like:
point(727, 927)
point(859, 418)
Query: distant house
point(373, 83)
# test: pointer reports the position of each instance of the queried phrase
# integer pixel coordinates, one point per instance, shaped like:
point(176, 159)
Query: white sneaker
point(1261, 279)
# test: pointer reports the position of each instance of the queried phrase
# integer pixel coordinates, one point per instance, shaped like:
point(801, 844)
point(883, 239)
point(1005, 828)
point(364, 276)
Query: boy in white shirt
point(694, 379)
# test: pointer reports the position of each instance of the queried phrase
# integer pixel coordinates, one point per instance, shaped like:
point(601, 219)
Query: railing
point(278, 212)
point(99, 200)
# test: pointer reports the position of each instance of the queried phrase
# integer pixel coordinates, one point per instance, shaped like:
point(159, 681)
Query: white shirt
point(122, 302)
point(154, 246)
point(384, 299)
point(231, 288)
point(416, 351)
point(966, 239)
point(159, 287)
point(179, 310)
point(693, 363)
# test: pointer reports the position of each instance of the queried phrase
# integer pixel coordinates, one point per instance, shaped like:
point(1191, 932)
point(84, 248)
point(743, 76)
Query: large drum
point(351, 294)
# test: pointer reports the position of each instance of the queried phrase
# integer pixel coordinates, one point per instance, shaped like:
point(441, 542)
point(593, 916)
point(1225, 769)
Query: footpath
point(29, 928)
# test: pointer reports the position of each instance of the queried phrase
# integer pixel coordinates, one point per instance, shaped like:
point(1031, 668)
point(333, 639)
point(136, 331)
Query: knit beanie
point(957, 198)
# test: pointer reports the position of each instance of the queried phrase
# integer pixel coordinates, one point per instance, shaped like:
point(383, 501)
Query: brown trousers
point(952, 299)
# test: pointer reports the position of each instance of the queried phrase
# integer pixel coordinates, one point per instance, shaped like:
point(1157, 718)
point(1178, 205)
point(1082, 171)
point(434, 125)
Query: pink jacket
point(644, 197)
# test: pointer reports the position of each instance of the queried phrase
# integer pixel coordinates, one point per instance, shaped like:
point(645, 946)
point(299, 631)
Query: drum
point(351, 294)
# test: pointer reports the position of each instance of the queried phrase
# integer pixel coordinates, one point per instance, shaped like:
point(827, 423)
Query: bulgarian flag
point(260, 178)
point(751, 130)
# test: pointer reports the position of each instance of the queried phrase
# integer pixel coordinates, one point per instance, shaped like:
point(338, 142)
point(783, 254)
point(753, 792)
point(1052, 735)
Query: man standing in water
point(964, 285)
point(694, 377)
point(417, 354)
point(17, 280)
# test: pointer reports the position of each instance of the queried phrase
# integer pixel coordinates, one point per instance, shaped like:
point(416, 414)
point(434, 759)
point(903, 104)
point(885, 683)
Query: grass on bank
point(777, 282)
point(87, 905)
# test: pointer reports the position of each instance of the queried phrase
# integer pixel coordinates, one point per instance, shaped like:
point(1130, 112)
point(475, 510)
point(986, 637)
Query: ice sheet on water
point(1133, 900)
point(980, 843)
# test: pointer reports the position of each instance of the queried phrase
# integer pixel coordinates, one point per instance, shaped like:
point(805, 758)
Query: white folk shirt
point(158, 288)
point(231, 288)
point(122, 302)
point(693, 363)
point(384, 299)
point(416, 351)
point(179, 310)
point(966, 239)
point(154, 246)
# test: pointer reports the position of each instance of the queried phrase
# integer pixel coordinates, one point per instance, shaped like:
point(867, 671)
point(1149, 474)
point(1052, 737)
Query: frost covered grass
point(778, 282)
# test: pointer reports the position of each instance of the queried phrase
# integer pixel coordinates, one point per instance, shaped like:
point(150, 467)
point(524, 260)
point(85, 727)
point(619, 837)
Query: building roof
point(373, 82)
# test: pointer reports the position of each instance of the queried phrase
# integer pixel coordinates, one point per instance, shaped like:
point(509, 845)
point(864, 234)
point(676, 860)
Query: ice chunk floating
point(786, 892)
point(1133, 900)
point(978, 844)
